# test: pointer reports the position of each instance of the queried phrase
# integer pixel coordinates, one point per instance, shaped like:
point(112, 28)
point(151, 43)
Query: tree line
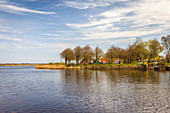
point(137, 51)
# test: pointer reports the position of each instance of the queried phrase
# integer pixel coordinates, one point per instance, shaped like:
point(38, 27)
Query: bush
point(62, 63)
point(121, 63)
point(51, 63)
point(145, 63)
point(167, 64)
point(134, 62)
point(71, 64)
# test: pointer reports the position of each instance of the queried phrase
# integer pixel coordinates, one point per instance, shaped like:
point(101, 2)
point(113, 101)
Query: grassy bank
point(62, 66)
point(89, 66)
point(50, 66)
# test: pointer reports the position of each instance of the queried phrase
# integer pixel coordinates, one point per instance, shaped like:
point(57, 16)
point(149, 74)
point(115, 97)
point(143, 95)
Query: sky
point(37, 31)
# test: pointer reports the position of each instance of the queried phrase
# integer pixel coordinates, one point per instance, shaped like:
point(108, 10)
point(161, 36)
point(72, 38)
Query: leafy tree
point(112, 53)
point(154, 47)
point(87, 53)
point(98, 53)
point(68, 55)
point(78, 53)
point(166, 43)
point(138, 50)
point(141, 51)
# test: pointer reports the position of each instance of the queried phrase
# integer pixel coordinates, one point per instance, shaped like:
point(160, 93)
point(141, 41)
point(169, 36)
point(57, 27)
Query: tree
point(78, 54)
point(112, 53)
point(138, 50)
point(131, 53)
point(168, 57)
point(166, 43)
point(141, 51)
point(68, 55)
point(154, 47)
point(87, 53)
point(123, 54)
point(98, 53)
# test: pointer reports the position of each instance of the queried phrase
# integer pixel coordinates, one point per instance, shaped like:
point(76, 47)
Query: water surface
point(25, 89)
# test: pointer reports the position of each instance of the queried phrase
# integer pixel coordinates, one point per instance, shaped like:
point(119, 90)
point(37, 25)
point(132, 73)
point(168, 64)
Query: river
point(25, 89)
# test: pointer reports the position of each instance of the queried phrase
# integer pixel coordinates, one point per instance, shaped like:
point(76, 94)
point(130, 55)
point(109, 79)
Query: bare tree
point(78, 53)
point(166, 43)
point(112, 53)
point(123, 54)
point(98, 53)
point(87, 53)
point(68, 55)
point(131, 52)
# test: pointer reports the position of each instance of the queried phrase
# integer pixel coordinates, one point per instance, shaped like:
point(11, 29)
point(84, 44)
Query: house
point(88, 61)
point(100, 61)
point(107, 60)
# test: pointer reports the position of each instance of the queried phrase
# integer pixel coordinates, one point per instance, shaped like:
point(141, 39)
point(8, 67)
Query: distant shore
point(18, 64)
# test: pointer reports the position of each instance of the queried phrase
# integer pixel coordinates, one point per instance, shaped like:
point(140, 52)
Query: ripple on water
point(30, 90)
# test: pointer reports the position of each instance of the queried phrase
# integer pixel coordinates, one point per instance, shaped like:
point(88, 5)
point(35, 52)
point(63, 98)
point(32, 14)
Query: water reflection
point(119, 91)
point(30, 90)
point(117, 76)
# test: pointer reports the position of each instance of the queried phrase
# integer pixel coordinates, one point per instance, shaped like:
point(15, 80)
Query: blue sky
point(35, 31)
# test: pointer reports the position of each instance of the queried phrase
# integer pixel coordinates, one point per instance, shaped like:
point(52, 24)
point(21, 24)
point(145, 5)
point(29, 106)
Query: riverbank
point(51, 66)
point(127, 67)
point(101, 67)
point(93, 67)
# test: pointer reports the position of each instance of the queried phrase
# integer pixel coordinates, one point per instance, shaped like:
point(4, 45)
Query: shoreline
point(116, 67)
point(92, 67)
point(18, 64)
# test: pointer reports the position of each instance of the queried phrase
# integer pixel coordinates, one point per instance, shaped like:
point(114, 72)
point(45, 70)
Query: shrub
point(62, 63)
point(51, 63)
point(134, 62)
point(145, 63)
point(121, 63)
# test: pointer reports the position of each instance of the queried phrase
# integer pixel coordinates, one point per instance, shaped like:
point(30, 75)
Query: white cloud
point(85, 4)
point(11, 8)
point(95, 22)
point(5, 37)
point(54, 47)
point(123, 41)
point(133, 19)
point(33, 0)
point(4, 29)
point(119, 34)
point(7, 29)
point(18, 46)
point(50, 34)
point(61, 36)
point(3, 45)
